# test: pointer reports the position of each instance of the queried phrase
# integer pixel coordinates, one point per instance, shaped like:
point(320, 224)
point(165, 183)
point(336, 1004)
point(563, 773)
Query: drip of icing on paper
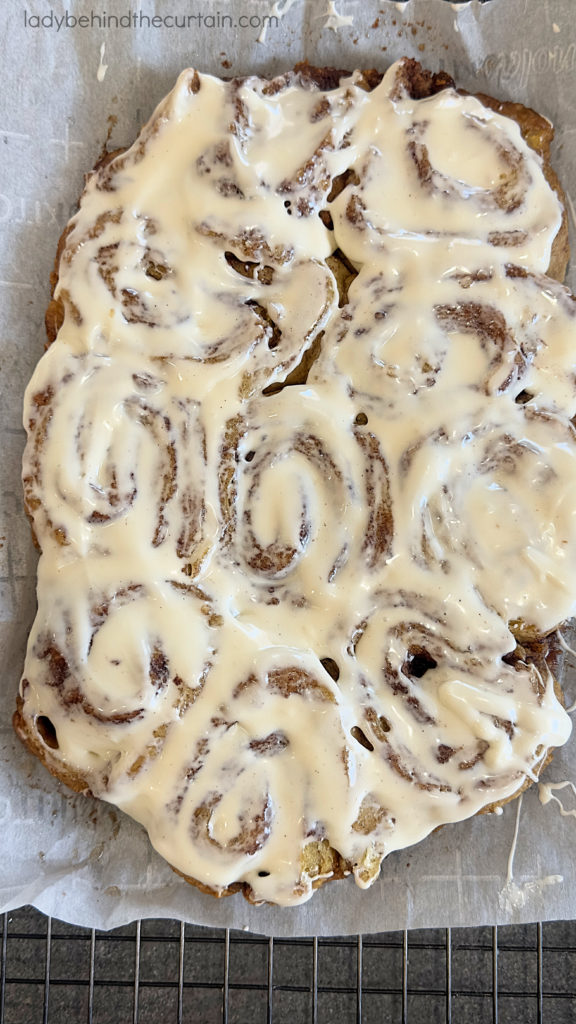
point(546, 794)
point(514, 896)
point(569, 650)
point(511, 855)
point(102, 67)
point(334, 19)
point(278, 10)
point(565, 646)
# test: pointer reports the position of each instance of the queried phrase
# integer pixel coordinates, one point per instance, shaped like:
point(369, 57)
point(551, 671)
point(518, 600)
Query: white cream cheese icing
point(268, 618)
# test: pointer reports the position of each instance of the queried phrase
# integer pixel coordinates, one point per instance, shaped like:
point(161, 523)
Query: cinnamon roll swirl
point(302, 468)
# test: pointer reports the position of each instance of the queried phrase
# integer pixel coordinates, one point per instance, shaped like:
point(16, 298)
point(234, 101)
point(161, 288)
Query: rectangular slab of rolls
point(302, 470)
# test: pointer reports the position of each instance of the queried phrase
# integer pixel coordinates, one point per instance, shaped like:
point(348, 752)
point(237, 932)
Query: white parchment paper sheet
point(78, 859)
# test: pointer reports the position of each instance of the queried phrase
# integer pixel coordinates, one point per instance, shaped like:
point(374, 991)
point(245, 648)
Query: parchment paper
point(78, 859)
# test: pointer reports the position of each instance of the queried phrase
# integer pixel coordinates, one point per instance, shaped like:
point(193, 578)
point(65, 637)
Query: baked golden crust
point(72, 779)
point(323, 862)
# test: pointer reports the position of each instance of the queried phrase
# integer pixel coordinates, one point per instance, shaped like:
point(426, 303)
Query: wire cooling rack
point(164, 972)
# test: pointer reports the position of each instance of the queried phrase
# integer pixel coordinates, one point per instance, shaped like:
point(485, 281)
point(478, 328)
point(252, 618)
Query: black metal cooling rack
point(164, 972)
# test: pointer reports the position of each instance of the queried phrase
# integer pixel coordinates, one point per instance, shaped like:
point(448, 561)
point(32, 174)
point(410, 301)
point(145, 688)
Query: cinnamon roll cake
point(302, 469)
